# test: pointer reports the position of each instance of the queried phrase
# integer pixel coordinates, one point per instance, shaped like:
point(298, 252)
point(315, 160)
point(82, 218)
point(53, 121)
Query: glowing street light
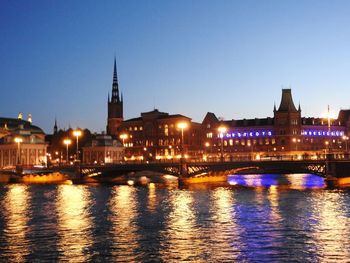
point(296, 141)
point(182, 126)
point(77, 133)
point(67, 142)
point(18, 140)
point(123, 136)
point(346, 138)
point(222, 130)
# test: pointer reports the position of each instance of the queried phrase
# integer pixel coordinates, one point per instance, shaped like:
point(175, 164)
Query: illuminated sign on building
point(322, 133)
point(245, 134)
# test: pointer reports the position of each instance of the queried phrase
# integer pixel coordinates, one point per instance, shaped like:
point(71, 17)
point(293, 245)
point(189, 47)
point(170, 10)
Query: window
point(166, 130)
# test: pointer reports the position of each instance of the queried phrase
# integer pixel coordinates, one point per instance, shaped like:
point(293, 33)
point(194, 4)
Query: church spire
point(55, 129)
point(115, 85)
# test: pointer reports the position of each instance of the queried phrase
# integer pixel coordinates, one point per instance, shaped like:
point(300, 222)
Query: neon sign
point(249, 134)
point(322, 133)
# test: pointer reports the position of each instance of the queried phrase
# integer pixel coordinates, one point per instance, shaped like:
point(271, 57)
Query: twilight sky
point(186, 56)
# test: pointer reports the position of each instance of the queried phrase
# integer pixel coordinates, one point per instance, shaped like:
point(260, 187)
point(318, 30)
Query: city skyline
point(187, 58)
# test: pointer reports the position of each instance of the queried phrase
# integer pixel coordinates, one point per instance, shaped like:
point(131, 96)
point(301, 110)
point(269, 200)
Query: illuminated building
point(103, 150)
point(284, 134)
point(156, 136)
point(21, 143)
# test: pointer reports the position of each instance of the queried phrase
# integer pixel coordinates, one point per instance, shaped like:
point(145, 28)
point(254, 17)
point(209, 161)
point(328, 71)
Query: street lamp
point(182, 126)
point(123, 136)
point(296, 141)
point(18, 140)
point(67, 142)
point(77, 133)
point(346, 138)
point(222, 130)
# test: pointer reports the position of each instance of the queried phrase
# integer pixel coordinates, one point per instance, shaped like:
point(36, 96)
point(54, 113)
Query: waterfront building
point(103, 149)
point(157, 136)
point(21, 143)
point(285, 135)
point(115, 106)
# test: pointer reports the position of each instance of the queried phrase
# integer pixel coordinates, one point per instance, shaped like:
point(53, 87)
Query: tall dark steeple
point(115, 105)
point(115, 85)
point(55, 128)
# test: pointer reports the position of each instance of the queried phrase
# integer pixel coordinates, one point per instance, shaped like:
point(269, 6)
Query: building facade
point(157, 136)
point(21, 143)
point(103, 149)
point(285, 135)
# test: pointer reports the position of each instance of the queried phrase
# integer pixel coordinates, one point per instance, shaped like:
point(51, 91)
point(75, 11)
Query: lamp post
point(296, 141)
point(123, 136)
point(346, 138)
point(18, 140)
point(329, 130)
point(67, 142)
point(182, 126)
point(77, 133)
point(207, 145)
point(222, 130)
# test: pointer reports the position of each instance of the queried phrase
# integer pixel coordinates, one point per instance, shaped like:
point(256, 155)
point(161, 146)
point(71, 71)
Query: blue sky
point(189, 57)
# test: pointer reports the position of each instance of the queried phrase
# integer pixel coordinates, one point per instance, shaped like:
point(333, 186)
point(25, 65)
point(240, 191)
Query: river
point(253, 218)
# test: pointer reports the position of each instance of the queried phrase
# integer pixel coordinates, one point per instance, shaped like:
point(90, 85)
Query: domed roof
point(12, 124)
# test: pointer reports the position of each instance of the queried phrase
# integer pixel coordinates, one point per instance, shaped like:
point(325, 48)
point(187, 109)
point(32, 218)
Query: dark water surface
point(255, 218)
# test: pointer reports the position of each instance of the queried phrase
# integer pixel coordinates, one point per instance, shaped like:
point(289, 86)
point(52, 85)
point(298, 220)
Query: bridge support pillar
point(183, 168)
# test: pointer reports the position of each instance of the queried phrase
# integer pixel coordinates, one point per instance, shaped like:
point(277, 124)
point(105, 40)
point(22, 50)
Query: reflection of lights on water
point(273, 198)
point(253, 180)
point(152, 197)
point(123, 206)
point(180, 237)
point(74, 221)
point(15, 205)
point(294, 181)
point(332, 228)
point(305, 181)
